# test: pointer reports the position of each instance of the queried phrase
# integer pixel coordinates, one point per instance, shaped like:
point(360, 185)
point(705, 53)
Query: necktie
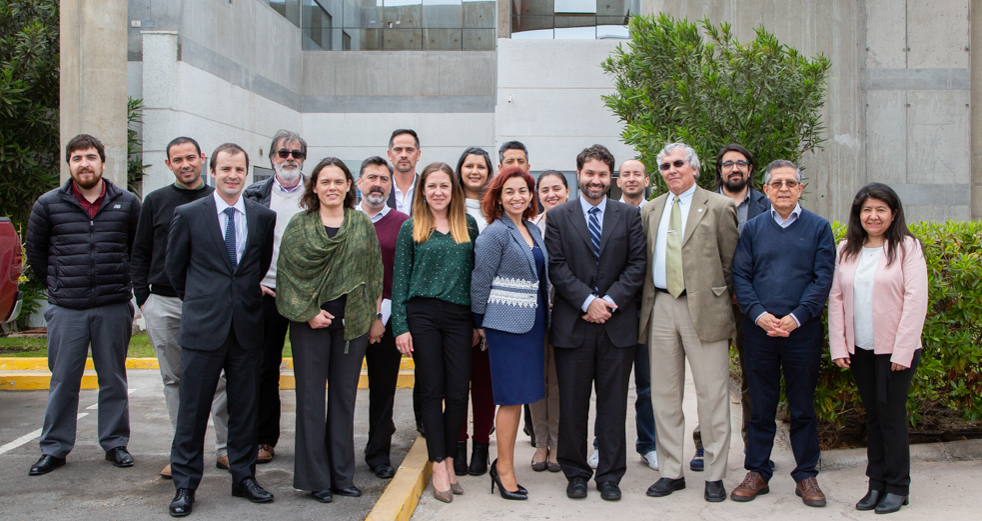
point(673, 251)
point(230, 236)
point(594, 226)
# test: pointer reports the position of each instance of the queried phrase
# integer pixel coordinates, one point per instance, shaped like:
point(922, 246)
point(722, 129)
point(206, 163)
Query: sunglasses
point(678, 163)
point(297, 154)
point(776, 185)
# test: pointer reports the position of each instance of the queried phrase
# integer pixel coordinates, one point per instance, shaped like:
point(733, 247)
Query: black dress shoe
point(351, 491)
point(384, 471)
point(120, 457)
point(665, 486)
point(324, 496)
point(181, 505)
point(714, 492)
point(576, 488)
point(870, 500)
point(46, 464)
point(890, 503)
point(609, 491)
point(250, 489)
point(460, 460)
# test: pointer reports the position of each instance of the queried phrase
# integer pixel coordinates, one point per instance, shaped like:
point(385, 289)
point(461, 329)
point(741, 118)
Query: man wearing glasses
point(782, 274)
point(687, 314)
point(280, 193)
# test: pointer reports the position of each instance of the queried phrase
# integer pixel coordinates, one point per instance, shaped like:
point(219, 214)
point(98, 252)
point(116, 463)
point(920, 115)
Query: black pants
point(200, 371)
point(597, 362)
point(884, 395)
point(269, 376)
point(383, 372)
point(442, 334)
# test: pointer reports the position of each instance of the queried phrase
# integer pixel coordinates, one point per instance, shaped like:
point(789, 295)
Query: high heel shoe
point(456, 489)
point(505, 494)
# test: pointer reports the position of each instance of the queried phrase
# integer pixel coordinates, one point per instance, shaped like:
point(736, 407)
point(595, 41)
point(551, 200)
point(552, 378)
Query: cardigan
point(505, 284)
point(900, 295)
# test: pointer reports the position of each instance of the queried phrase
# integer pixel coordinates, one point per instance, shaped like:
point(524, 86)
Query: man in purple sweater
point(375, 184)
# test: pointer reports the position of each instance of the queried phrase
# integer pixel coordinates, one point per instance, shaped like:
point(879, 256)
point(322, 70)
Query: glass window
point(571, 19)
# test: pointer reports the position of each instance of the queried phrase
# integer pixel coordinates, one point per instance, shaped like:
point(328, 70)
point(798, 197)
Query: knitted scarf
point(313, 269)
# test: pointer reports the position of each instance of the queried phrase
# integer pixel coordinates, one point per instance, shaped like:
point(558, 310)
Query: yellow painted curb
point(402, 495)
point(41, 364)
point(39, 380)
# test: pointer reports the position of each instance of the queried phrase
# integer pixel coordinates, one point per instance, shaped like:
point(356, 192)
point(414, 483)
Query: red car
point(10, 270)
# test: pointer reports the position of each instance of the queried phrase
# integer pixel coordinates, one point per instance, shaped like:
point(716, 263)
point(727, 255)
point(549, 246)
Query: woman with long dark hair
point(329, 284)
point(431, 317)
point(880, 262)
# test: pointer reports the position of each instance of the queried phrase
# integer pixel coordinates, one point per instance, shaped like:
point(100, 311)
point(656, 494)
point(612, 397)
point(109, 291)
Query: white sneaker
point(651, 459)
point(594, 459)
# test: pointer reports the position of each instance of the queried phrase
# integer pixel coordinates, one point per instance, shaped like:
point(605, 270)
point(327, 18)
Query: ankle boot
point(460, 460)
point(479, 460)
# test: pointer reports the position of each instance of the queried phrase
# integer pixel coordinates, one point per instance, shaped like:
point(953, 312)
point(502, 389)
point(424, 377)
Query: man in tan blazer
point(686, 313)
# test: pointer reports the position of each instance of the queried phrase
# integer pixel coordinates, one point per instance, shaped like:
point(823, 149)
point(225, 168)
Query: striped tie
point(595, 231)
point(230, 236)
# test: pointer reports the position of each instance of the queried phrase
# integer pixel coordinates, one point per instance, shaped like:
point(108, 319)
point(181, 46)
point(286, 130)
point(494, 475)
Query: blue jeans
point(644, 416)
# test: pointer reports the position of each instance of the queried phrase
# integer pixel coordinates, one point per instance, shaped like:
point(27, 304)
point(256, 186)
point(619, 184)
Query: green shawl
point(313, 269)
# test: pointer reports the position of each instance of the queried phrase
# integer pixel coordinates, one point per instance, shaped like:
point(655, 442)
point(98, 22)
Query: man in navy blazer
point(596, 264)
point(218, 250)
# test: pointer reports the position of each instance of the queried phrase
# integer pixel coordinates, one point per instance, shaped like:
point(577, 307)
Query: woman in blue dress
point(510, 301)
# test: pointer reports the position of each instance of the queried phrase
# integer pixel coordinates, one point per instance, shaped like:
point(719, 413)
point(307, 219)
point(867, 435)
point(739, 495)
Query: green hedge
point(948, 383)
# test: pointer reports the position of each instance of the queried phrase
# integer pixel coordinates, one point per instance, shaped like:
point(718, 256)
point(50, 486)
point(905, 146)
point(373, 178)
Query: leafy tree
point(135, 169)
point(675, 85)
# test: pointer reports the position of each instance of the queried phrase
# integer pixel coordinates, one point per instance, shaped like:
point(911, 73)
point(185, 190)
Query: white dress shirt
point(862, 296)
point(661, 239)
point(241, 230)
point(404, 201)
point(379, 215)
point(585, 206)
point(639, 207)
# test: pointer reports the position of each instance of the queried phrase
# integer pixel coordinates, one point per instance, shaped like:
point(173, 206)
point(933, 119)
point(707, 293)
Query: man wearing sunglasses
point(280, 193)
point(687, 314)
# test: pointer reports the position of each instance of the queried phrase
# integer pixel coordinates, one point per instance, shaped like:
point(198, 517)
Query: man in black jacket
point(79, 239)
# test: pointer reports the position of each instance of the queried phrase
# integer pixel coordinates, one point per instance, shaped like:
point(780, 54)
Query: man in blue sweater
point(782, 274)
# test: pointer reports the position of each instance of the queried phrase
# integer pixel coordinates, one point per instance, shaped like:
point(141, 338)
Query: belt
point(663, 290)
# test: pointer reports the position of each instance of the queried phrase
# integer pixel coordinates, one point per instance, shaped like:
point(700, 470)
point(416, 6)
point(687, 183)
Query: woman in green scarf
point(329, 284)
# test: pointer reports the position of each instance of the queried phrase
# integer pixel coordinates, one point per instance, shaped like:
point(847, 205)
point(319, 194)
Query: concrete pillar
point(93, 79)
point(975, 68)
point(504, 18)
point(160, 120)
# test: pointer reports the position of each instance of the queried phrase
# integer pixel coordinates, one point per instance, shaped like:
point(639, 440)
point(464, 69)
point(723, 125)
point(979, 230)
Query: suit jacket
point(900, 293)
point(574, 271)
point(216, 298)
point(505, 285)
point(708, 244)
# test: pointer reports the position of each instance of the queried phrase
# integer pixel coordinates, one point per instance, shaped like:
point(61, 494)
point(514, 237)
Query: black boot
point(460, 460)
point(479, 460)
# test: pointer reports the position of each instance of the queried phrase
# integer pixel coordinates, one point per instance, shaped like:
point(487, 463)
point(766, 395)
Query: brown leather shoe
point(222, 463)
point(266, 453)
point(166, 472)
point(753, 485)
point(809, 492)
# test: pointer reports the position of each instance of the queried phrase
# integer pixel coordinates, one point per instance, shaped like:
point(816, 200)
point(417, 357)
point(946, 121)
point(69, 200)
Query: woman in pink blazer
point(876, 313)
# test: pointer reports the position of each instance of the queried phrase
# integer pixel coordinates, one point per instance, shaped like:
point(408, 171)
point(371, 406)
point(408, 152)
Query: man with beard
point(79, 240)
point(375, 183)
point(596, 264)
point(156, 296)
point(403, 154)
point(280, 193)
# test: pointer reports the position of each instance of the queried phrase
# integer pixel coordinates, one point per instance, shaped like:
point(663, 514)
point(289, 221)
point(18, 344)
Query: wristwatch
point(378, 316)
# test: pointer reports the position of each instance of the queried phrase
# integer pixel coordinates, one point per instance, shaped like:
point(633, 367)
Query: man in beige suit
point(686, 313)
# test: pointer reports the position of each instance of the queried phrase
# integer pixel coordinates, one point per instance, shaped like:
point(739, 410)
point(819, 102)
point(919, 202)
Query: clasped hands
point(777, 327)
point(599, 311)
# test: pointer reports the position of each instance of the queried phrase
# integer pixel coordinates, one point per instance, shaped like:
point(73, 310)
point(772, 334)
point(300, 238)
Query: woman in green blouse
point(431, 315)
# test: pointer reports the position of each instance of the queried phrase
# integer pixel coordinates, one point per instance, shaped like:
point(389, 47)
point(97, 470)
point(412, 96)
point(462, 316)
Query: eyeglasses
point(791, 184)
point(678, 163)
point(297, 154)
point(730, 164)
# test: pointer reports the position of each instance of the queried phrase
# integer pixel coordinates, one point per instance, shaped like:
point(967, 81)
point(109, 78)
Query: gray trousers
point(163, 320)
point(325, 452)
point(70, 333)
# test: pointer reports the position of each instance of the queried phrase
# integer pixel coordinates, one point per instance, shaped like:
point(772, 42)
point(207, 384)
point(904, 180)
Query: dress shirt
point(643, 202)
point(404, 201)
point(661, 240)
point(784, 223)
point(586, 206)
point(241, 230)
point(862, 297)
point(742, 209)
point(378, 215)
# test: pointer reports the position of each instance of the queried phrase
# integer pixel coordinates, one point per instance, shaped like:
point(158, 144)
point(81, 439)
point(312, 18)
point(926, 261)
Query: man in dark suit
point(596, 262)
point(218, 250)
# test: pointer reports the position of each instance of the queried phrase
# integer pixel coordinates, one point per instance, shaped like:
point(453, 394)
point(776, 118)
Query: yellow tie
point(673, 251)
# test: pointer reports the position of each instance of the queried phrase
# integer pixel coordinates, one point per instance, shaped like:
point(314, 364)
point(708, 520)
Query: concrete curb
point(958, 450)
point(402, 495)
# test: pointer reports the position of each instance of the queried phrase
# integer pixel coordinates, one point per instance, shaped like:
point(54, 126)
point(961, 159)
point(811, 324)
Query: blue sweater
point(784, 270)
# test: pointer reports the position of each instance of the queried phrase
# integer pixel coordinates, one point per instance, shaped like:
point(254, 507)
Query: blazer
point(505, 285)
point(708, 244)
point(900, 294)
point(574, 271)
point(215, 297)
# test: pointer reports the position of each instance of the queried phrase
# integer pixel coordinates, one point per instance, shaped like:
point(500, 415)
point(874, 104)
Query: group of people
point(501, 289)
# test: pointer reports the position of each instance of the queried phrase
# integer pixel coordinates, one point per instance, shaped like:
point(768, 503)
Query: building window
point(571, 19)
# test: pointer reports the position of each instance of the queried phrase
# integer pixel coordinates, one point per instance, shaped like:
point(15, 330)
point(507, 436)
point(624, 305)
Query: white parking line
point(95, 406)
point(28, 437)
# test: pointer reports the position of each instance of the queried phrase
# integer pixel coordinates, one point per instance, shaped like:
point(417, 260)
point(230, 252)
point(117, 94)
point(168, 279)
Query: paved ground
point(89, 487)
